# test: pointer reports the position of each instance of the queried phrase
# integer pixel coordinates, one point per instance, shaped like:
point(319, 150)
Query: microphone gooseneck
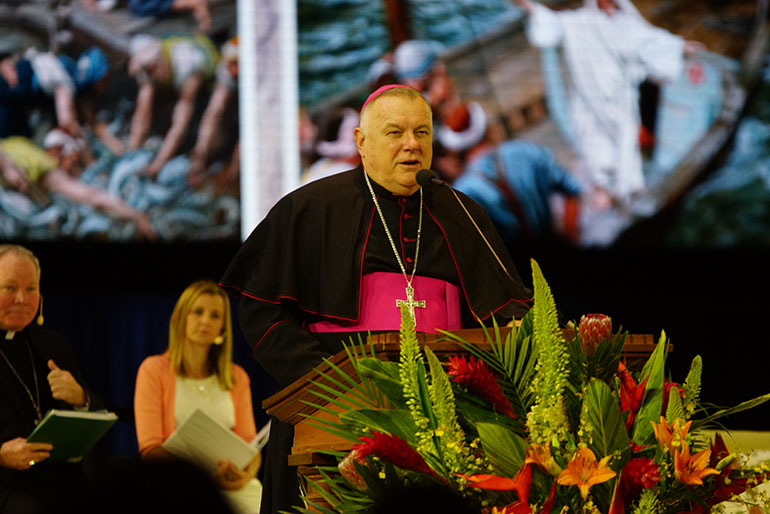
point(426, 177)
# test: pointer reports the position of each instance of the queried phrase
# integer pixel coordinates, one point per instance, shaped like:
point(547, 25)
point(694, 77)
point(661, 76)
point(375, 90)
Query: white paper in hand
point(206, 442)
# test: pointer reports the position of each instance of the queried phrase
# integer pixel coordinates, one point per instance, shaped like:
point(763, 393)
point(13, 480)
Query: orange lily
point(671, 437)
point(540, 455)
point(692, 470)
point(584, 472)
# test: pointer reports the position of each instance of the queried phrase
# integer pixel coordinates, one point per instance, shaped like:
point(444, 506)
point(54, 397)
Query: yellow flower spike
point(381, 474)
point(439, 433)
point(583, 471)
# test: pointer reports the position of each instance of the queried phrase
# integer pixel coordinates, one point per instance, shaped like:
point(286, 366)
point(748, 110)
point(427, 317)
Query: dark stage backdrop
point(113, 302)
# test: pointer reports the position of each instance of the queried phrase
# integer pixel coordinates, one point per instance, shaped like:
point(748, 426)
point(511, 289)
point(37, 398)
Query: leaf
point(384, 375)
point(505, 450)
point(652, 403)
point(601, 410)
point(475, 410)
point(395, 422)
point(748, 404)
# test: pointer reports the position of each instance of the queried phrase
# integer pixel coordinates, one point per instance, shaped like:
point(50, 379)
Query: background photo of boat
point(490, 61)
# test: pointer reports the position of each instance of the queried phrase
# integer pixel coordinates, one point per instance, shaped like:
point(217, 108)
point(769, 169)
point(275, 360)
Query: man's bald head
point(395, 138)
point(393, 90)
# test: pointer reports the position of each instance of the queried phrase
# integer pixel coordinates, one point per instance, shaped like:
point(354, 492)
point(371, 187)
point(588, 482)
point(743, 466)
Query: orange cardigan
point(154, 403)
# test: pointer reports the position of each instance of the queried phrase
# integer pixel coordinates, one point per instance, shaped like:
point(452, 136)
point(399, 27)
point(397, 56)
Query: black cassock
point(304, 263)
point(46, 484)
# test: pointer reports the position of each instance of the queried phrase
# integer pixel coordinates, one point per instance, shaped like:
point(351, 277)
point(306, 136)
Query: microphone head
point(426, 177)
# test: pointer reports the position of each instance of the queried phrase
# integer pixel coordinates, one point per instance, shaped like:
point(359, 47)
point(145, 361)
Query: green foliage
point(449, 434)
point(513, 358)
point(674, 409)
point(652, 403)
point(412, 376)
point(504, 449)
point(648, 503)
point(605, 432)
point(692, 386)
point(547, 419)
point(569, 400)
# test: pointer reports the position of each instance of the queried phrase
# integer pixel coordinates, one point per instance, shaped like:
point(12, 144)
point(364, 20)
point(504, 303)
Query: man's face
point(19, 291)
point(395, 141)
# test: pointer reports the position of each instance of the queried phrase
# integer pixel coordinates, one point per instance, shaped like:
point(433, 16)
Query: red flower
point(391, 449)
point(593, 329)
point(639, 473)
point(725, 489)
point(631, 395)
point(476, 377)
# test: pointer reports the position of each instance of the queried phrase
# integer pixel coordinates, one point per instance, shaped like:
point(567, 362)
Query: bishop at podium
point(342, 254)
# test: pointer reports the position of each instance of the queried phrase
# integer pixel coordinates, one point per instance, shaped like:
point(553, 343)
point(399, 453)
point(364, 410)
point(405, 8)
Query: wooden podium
point(289, 405)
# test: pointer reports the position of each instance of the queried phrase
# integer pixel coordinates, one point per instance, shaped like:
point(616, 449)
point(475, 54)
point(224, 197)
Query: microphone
point(426, 177)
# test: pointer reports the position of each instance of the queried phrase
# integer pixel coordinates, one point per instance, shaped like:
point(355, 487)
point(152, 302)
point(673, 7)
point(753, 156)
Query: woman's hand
point(230, 478)
point(19, 454)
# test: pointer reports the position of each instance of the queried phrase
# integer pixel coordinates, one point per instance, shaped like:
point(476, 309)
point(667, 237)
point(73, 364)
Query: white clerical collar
point(9, 335)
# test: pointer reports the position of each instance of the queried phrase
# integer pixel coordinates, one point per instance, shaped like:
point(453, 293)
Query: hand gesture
point(64, 386)
point(19, 454)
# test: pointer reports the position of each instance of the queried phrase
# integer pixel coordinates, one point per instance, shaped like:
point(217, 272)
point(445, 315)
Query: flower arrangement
point(538, 423)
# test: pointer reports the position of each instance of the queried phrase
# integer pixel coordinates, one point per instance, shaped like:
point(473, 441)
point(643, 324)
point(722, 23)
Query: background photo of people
point(118, 121)
point(594, 123)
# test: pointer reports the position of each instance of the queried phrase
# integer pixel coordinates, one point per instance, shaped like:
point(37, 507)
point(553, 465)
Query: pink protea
point(593, 329)
point(348, 470)
point(476, 377)
point(391, 449)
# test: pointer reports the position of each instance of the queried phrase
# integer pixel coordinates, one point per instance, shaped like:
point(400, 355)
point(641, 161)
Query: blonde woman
point(197, 372)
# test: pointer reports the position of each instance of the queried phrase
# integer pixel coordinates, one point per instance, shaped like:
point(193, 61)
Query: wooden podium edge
point(289, 404)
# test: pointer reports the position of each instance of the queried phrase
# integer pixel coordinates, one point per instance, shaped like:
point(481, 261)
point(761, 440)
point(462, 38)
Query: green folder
point(72, 433)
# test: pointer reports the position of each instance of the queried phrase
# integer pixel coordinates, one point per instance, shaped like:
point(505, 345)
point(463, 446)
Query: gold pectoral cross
point(411, 303)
